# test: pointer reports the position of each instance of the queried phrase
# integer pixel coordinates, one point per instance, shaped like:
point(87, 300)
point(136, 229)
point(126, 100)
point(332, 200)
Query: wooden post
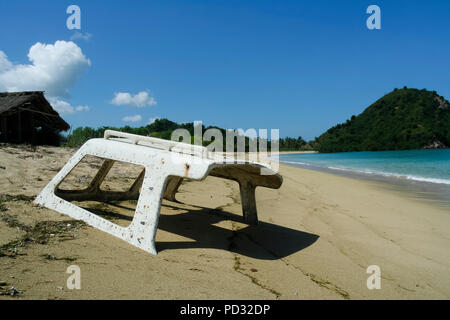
point(4, 128)
point(30, 128)
point(19, 126)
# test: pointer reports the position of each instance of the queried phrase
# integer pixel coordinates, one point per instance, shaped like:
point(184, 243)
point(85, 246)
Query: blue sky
point(300, 66)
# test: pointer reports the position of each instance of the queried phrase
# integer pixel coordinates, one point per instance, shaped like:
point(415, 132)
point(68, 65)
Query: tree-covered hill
point(403, 119)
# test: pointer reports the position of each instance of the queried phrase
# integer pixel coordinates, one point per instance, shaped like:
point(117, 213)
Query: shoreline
point(415, 185)
point(422, 190)
point(296, 152)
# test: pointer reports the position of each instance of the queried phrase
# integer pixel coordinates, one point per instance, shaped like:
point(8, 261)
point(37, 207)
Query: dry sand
point(318, 234)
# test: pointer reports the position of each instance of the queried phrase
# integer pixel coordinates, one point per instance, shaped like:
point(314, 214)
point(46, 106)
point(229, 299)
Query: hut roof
point(32, 101)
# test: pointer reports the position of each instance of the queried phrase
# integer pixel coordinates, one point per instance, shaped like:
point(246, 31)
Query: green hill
point(403, 119)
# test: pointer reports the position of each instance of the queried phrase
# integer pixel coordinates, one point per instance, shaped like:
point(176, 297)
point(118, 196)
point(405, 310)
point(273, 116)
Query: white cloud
point(82, 108)
point(135, 118)
point(4, 62)
point(151, 120)
point(53, 68)
point(63, 107)
point(80, 35)
point(142, 99)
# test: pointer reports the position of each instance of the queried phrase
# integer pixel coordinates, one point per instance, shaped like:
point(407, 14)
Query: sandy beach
point(317, 235)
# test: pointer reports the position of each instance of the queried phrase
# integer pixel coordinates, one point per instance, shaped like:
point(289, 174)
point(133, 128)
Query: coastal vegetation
point(163, 128)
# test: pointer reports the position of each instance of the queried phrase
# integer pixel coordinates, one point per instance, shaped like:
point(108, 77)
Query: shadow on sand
point(265, 241)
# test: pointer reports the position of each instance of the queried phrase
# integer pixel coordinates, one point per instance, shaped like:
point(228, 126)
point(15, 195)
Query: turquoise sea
point(424, 171)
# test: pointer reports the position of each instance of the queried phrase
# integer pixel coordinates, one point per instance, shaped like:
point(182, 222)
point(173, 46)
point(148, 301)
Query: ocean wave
point(297, 162)
point(375, 172)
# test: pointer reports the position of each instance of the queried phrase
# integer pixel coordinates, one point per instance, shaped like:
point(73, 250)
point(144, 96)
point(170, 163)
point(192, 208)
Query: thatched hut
point(27, 117)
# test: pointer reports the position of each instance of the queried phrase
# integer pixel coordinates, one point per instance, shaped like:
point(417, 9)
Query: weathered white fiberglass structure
point(166, 164)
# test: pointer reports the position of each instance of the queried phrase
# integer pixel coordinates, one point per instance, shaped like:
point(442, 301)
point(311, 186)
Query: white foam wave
point(379, 173)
